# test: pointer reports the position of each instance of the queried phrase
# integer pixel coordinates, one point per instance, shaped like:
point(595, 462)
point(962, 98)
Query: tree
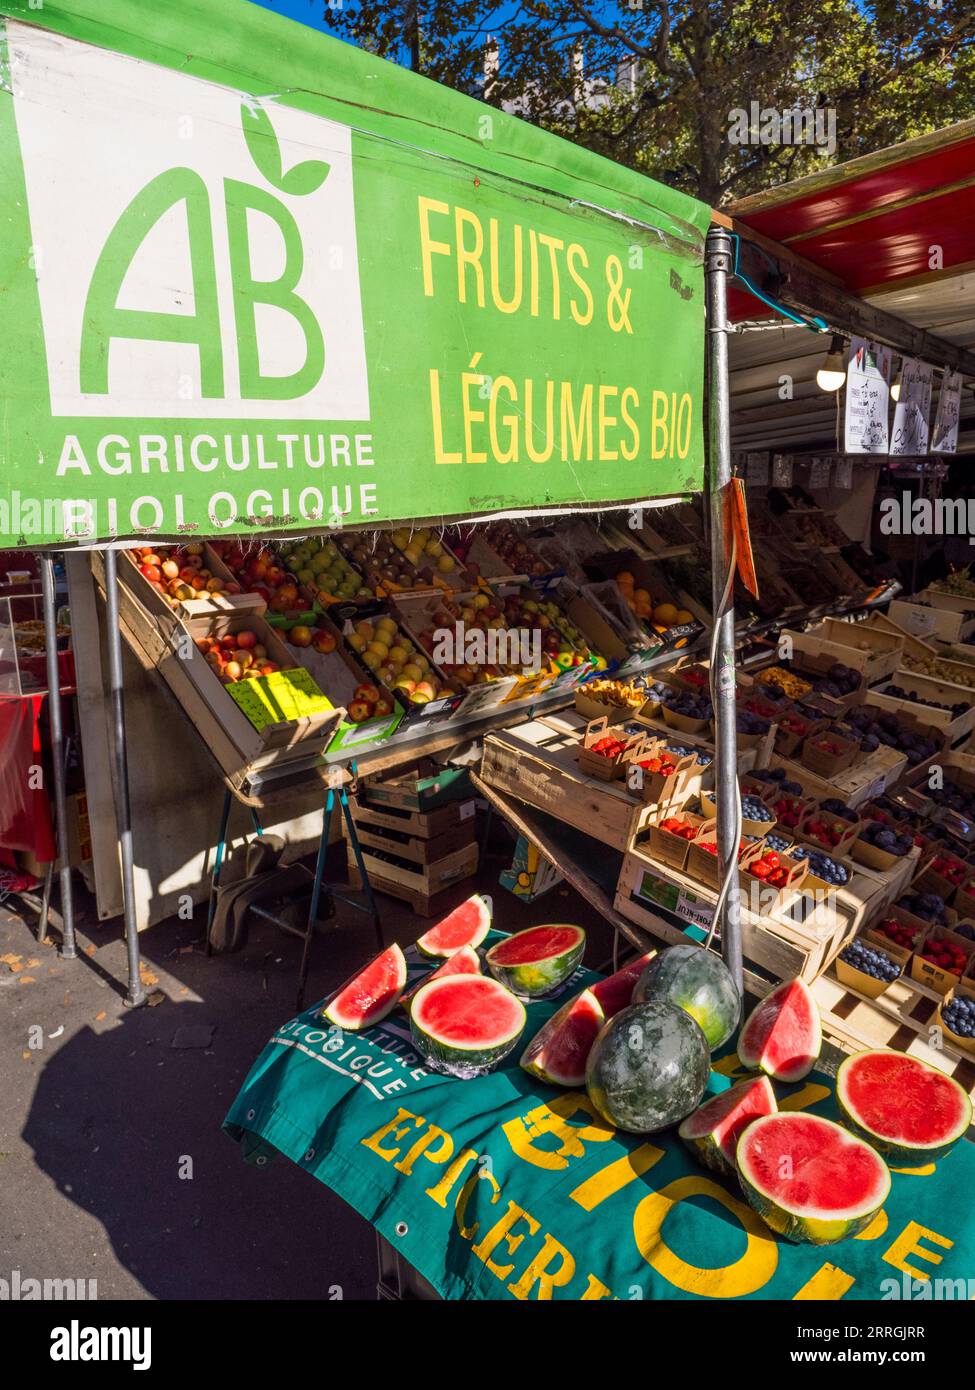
point(659, 85)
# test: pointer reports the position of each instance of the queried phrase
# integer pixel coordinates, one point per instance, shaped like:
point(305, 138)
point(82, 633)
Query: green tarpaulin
point(503, 1187)
point(255, 278)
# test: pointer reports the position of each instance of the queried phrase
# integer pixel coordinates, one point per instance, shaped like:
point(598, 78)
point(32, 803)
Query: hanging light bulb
point(832, 373)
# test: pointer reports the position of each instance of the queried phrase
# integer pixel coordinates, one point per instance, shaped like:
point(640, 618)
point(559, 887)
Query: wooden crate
point(833, 641)
point(944, 624)
point(901, 1019)
point(424, 787)
point(423, 886)
point(914, 645)
point(180, 610)
point(926, 716)
point(424, 825)
point(165, 644)
point(855, 785)
point(402, 842)
point(950, 603)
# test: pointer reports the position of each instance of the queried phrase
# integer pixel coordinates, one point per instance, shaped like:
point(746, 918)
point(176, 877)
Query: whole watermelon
point(698, 982)
point(648, 1067)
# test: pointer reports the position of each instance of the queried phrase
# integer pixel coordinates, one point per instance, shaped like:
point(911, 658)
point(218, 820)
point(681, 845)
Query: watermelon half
point(466, 961)
point(809, 1179)
point(616, 991)
point(783, 1036)
point(713, 1131)
point(698, 982)
point(370, 995)
point(911, 1112)
point(464, 1024)
point(560, 1049)
point(535, 962)
point(467, 925)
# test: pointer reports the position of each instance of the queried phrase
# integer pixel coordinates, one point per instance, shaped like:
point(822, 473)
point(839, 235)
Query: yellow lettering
point(576, 432)
point(682, 429)
point(594, 1291)
point(438, 449)
point(544, 454)
point(829, 1282)
point(396, 1128)
point(524, 1130)
point(751, 1272)
point(538, 1271)
point(429, 247)
point(464, 1196)
point(577, 253)
point(469, 256)
point(801, 1100)
point(908, 1243)
point(433, 1134)
point(658, 425)
point(606, 454)
point(507, 306)
point(441, 1190)
point(510, 422)
point(471, 416)
point(615, 1176)
point(630, 393)
point(501, 1230)
point(553, 244)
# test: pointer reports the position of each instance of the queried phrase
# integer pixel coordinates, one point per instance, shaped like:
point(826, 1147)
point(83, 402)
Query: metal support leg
point(316, 893)
point(360, 865)
point(718, 264)
point(68, 949)
point(135, 995)
point(217, 866)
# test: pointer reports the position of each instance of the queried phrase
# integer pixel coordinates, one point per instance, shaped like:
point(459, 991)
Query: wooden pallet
point(423, 824)
point(900, 1019)
point(414, 847)
point(424, 886)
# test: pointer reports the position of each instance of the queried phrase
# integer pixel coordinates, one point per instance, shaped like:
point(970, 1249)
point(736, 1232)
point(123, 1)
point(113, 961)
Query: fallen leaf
point(27, 980)
point(99, 1017)
point(90, 950)
point(25, 1056)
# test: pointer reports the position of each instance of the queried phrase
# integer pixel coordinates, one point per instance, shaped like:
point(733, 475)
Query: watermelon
point(535, 962)
point(783, 1036)
point(559, 1050)
point(698, 982)
point(713, 1131)
point(912, 1113)
point(616, 991)
point(370, 995)
point(464, 1024)
point(466, 961)
point(467, 925)
point(809, 1179)
point(648, 1067)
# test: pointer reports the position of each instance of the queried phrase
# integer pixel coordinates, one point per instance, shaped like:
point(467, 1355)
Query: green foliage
point(889, 70)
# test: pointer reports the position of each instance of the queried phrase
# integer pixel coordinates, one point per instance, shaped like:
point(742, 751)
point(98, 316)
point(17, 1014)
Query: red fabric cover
point(25, 811)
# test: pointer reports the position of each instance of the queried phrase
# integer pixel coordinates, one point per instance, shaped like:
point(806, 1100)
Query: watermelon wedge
point(466, 961)
point(560, 1049)
point(616, 991)
point(783, 1036)
point(370, 995)
point(535, 962)
point(809, 1179)
point(467, 925)
point(465, 1024)
point(713, 1131)
point(911, 1112)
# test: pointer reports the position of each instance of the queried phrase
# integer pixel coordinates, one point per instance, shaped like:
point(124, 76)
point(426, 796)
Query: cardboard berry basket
point(759, 828)
point(806, 831)
point(668, 847)
point(930, 879)
point(606, 768)
point(964, 990)
point(915, 925)
point(813, 882)
point(702, 863)
point(789, 739)
point(829, 761)
point(964, 899)
point(937, 977)
point(872, 857)
point(865, 984)
point(797, 876)
point(653, 786)
point(682, 723)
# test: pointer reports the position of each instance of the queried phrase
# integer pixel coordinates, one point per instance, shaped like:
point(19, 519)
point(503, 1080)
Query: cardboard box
point(859, 980)
point(927, 973)
point(964, 990)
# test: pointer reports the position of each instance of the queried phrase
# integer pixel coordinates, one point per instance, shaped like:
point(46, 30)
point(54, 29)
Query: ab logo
point(215, 273)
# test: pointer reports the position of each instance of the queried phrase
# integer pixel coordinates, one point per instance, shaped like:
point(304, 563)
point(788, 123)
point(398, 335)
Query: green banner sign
point(257, 279)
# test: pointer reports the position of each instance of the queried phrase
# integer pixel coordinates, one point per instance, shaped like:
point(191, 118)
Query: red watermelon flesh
point(783, 1035)
point(467, 925)
point(560, 1049)
point(370, 995)
point(713, 1130)
point(616, 991)
point(468, 1012)
point(907, 1109)
point(466, 961)
point(535, 944)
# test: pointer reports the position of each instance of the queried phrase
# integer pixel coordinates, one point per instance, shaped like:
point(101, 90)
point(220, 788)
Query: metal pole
point(718, 266)
point(68, 949)
point(135, 994)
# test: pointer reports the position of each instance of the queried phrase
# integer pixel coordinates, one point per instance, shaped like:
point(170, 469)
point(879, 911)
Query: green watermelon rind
point(895, 1152)
point(704, 1146)
point(356, 1025)
point(754, 1062)
point(624, 1092)
point(671, 975)
point(476, 939)
point(547, 1030)
point(808, 1230)
point(535, 979)
point(482, 1056)
point(406, 1000)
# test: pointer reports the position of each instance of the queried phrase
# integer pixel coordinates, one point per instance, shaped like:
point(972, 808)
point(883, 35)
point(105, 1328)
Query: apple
point(248, 640)
point(233, 670)
point(367, 693)
point(359, 710)
point(323, 641)
point(300, 636)
point(384, 705)
point(170, 569)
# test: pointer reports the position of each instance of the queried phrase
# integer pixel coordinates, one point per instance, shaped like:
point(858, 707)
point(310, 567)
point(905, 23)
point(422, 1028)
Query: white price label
point(467, 809)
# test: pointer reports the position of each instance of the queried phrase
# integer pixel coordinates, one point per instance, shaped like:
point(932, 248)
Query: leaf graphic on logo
point(262, 144)
point(305, 177)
